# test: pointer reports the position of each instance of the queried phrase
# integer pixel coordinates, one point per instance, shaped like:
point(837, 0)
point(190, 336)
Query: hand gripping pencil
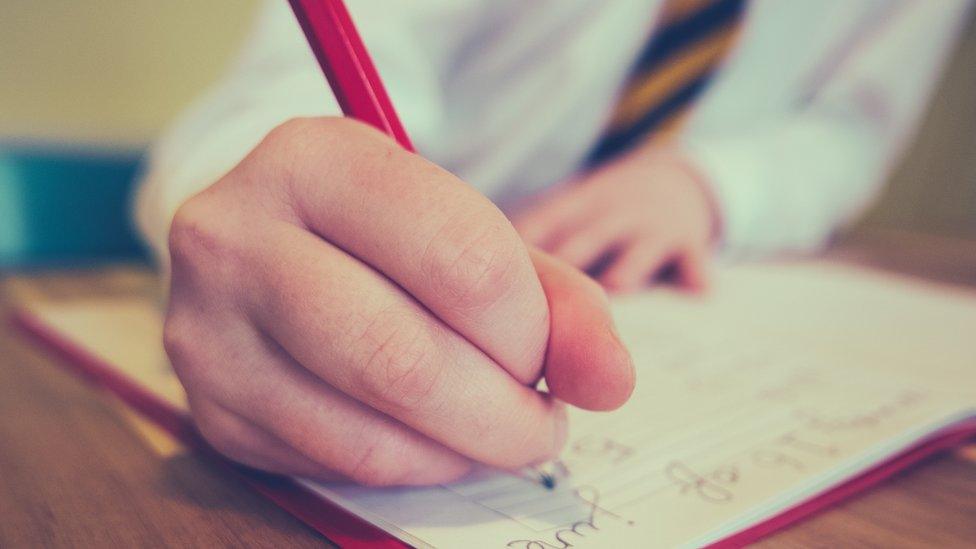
point(361, 95)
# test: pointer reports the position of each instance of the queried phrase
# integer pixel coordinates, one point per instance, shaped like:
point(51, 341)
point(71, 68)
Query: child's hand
point(628, 220)
point(341, 308)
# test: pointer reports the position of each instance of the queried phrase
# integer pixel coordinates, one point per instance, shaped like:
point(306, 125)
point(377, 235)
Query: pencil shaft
point(347, 66)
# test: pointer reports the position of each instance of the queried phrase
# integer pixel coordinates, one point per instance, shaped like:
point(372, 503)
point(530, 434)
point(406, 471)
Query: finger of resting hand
point(633, 268)
point(435, 236)
point(363, 335)
point(587, 243)
point(545, 223)
point(693, 269)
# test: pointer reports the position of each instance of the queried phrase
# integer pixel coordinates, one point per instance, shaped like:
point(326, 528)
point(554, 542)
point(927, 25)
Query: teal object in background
point(66, 206)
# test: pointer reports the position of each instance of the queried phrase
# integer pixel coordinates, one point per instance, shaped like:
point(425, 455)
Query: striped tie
point(685, 51)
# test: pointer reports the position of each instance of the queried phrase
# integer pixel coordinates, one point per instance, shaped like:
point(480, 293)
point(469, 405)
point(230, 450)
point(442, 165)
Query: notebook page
point(736, 415)
point(785, 381)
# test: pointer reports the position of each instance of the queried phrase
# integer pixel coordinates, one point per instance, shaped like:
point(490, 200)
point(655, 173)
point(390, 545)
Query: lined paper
point(785, 381)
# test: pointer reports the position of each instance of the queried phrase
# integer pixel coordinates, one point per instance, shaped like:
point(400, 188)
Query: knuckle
point(294, 128)
point(198, 233)
point(296, 148)
point(474, 264)
point(182, 343)
point(324, 130)
point(178, 341)
point(399, 372)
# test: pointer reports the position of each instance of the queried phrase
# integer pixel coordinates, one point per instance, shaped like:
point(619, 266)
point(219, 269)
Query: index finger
point(435, 236)
point(364, 336)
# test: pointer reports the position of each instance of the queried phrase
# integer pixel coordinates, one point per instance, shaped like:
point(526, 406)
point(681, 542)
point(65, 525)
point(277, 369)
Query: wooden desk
point(73, 472)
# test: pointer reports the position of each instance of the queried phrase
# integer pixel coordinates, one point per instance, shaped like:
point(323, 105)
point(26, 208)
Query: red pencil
point(347, 66)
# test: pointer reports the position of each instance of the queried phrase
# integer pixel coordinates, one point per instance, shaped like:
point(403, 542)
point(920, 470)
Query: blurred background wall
point(933, 190)
point(84, 87)
point(109, 72)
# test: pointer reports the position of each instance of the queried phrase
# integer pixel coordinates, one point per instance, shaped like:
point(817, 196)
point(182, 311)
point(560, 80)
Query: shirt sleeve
point(785, 183)
point(276, 78)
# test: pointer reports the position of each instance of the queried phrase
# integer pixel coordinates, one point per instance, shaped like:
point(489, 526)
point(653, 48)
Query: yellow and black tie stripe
point(679, 60)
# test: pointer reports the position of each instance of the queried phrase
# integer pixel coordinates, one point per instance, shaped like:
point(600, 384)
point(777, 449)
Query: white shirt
point(794, 135)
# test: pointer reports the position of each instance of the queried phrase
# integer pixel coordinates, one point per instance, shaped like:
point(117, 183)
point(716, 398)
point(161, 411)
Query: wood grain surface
point(73, 473)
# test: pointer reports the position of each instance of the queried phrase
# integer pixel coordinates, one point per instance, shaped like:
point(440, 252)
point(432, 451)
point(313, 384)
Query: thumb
point(586, 364)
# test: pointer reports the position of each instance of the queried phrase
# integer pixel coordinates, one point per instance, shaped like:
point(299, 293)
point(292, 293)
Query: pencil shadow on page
point(486, 495)
point(483, 497)
point(194, 482)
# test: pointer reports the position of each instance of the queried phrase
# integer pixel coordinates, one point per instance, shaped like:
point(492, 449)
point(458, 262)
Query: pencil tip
point(549, 481)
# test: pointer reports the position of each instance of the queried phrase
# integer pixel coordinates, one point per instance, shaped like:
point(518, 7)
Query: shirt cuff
point(733, 173)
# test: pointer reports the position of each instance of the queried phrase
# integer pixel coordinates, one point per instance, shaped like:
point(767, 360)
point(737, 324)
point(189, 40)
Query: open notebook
point(789, 387)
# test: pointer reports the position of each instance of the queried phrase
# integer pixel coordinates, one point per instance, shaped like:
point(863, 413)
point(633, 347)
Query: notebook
point(787, 388)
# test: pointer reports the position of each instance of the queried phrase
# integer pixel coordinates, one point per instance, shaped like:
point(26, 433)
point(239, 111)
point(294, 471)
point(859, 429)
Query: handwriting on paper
point(711, 486)
point(570, 536)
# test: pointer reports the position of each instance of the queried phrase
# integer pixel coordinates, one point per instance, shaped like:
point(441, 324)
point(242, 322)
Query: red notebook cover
point(348, 530)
